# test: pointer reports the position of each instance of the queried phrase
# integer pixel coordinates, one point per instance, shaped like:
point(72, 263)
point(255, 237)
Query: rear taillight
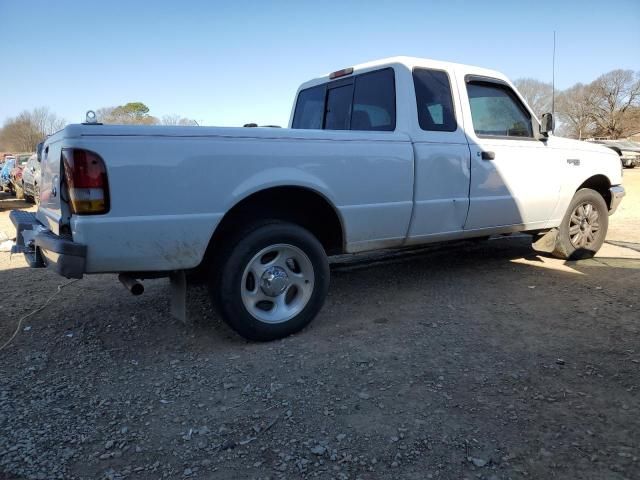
point(86, 178)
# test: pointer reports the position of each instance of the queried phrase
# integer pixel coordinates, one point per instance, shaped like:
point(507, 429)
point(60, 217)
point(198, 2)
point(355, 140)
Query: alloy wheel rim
point(277, 283)
point(584, 225)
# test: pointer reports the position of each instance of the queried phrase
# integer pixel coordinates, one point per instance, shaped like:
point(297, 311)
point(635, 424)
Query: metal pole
point(553, 77)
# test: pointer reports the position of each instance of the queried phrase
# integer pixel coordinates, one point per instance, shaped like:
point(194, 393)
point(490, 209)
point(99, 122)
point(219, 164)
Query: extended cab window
point(362, 102)
point(434, 101)
point(374, 101)
point(310, 108)
point(496, 111)
point(338, 108)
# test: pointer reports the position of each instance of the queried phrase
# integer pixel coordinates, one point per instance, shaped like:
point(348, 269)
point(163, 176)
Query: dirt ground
point(475, 361)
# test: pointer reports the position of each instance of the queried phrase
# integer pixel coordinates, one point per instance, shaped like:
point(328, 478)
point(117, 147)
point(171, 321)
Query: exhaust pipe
point(131, 284)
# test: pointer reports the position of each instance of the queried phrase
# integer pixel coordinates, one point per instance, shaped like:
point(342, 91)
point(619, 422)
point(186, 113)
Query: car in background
point(4, 158)
point(15, 176)
point(5, 178)
point(630, 158)
point(628, 151)
point(31, 179)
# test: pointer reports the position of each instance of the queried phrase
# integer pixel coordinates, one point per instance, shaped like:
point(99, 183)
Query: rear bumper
point(617, 193)
point(42, 248)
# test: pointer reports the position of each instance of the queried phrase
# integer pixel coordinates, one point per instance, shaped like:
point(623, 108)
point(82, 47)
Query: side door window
point(496, 112)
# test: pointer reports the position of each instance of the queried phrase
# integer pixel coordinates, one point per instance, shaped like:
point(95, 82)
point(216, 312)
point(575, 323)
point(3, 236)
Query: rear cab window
point(365, 102)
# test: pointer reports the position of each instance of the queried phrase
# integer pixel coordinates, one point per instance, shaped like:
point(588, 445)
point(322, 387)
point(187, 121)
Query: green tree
point(136, 113)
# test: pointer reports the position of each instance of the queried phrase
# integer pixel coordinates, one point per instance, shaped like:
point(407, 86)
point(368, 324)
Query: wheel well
point(600, 184)
point(615, 149)
point(294, 204)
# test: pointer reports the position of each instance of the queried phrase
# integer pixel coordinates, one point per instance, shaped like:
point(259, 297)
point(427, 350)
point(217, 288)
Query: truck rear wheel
point(584, 226)
point(271, 280)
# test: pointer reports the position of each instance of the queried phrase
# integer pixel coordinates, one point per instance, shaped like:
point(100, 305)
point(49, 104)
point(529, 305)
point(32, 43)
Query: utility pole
point(553, 78)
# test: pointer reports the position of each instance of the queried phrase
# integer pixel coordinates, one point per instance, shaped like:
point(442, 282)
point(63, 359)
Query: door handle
point(488, 155)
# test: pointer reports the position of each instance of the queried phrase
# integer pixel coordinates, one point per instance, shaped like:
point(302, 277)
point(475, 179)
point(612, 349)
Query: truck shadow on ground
point(392, 288)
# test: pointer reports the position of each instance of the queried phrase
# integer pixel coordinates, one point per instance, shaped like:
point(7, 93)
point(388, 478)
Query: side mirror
point(546, 124)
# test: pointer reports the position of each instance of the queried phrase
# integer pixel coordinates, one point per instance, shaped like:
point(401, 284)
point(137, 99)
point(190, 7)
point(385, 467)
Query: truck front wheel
point(271, 280)
point(584, 226)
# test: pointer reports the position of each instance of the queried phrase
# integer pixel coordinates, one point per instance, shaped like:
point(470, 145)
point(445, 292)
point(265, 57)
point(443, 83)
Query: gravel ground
point(479, 360)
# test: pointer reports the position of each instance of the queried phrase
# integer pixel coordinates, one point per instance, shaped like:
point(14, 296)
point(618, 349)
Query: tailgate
point(50, 209)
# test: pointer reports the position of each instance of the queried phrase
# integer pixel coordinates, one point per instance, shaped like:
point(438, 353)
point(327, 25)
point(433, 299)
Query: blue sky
point(229, 63)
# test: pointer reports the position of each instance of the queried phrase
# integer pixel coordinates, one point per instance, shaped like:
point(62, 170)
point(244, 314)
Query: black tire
point(569, 242)
point(27, 197)
point(226, 283)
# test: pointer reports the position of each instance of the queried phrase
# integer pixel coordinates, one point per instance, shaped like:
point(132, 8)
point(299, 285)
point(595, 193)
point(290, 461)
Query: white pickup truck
point(394, 153)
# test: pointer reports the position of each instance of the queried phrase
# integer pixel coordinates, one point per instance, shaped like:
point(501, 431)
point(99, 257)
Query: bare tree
point(172, 119)
point(45, 121)
point(25, 131)
point(19, 134)
point(537, 94)
point(104, 114)
point(574, 106)
point(175, 119)
point(631, 123)
point(614, 94)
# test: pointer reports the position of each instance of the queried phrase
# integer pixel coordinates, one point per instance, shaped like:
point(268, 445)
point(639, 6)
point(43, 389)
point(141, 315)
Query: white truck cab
point(388, 154)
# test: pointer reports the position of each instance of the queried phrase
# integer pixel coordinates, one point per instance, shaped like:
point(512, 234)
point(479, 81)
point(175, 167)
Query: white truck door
point(515, 177)
point(441, 196)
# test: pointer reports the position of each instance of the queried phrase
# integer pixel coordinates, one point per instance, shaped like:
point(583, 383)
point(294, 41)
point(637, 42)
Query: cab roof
point(410, 63)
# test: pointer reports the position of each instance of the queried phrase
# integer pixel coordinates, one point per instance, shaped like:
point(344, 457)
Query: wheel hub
point(274, 281)
point(277, 283)
point(584, 224)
